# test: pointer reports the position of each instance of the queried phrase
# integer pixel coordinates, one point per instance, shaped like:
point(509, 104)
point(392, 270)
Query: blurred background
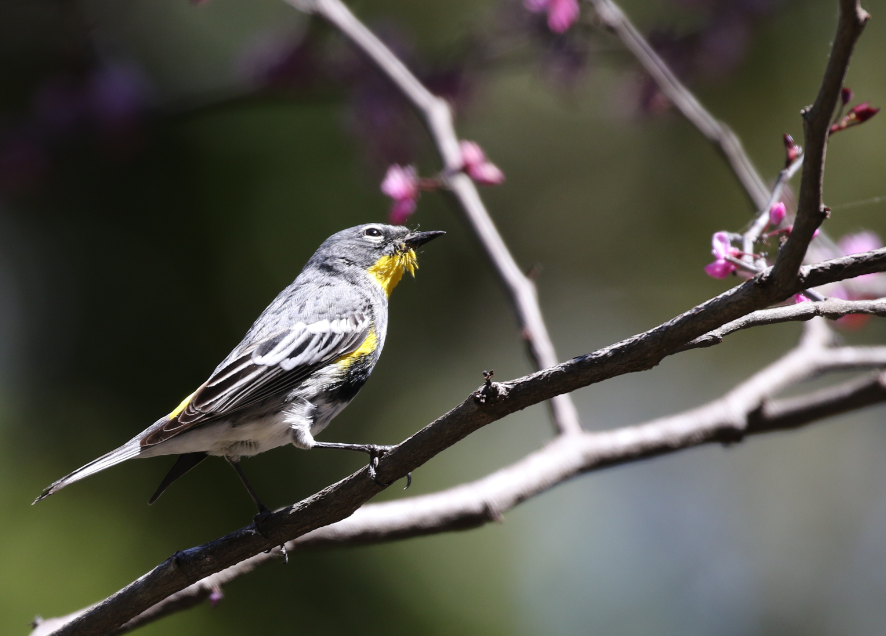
point(166, 168)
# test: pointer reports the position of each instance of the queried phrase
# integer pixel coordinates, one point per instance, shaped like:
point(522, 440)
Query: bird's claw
point(258, 520)
point(376, 452)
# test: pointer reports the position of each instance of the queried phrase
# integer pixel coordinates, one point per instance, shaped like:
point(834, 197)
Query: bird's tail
point(127, 451)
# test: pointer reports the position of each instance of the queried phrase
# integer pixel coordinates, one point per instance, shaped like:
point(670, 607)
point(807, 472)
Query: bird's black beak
point(417, 239)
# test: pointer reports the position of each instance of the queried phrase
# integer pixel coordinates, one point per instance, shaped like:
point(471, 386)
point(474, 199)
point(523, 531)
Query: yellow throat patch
point(388, 270)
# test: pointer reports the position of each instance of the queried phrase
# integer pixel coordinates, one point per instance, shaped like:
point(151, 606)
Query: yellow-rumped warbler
point(298, 366)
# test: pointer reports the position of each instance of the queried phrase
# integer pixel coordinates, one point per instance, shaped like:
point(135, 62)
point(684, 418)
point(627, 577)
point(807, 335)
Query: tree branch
point(832, 309)
point(816, 123)
point(850, 26)
point(437, 116)
point(715, 131)
point(743, 411)
point(342, 499)
point(724, 420)
point(750, 237)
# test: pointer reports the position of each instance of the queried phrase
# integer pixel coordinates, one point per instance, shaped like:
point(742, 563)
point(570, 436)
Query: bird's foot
point(376, 452)
point(258, 521)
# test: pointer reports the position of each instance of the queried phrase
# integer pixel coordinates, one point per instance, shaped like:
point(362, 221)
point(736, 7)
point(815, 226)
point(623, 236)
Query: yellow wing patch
point(388, 270)
point(181, 407)
point(366, 348)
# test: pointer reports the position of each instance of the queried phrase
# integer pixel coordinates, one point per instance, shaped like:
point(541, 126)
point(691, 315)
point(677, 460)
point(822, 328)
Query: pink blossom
point(215, 595)
point(719, 269)
point(800, 298)
point(721, 248)
point(856, 115)
point(561, 13)
point(401, 210)
point(471, 153)
point(401, 184)
point(862, 112)
point(721, 245)
point(776, 214)
point(477, 166)
point(858, 243)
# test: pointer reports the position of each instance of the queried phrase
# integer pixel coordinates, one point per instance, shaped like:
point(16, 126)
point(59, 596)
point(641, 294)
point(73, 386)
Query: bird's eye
point(372, 231)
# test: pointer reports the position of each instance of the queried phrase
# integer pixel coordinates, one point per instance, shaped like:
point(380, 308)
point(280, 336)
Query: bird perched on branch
point(298, 366)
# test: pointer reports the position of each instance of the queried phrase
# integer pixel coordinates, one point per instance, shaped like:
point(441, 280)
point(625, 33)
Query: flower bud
point(776, 214)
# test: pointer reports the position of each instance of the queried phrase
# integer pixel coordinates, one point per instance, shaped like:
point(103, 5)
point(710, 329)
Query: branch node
point(490, 390)
point(491, 512)
point(176, 560)
point(735, 432)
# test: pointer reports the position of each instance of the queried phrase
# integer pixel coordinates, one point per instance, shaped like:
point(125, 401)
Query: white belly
point(222, 439)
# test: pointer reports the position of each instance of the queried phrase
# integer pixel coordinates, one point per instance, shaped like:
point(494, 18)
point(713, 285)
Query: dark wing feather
point(271, 367)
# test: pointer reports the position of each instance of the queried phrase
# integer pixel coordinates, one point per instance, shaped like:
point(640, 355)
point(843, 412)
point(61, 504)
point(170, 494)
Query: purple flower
point(477, 166)
point(846, 95)
point(401, 184)
point(719, 269)
point(561, 13)
point(721, 248)
point(776, 214)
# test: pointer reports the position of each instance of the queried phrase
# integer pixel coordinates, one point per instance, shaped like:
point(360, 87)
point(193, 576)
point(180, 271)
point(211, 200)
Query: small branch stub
point(489, 392)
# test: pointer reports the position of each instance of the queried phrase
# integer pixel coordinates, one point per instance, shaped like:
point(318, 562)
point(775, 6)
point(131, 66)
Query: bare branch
point(715, 131)
point(724, 420)
point(832, 309)
point(744, 410)
point(342, 499)
point(851, 24)
point(816, 122)
point(438, 118)
point(753, 233)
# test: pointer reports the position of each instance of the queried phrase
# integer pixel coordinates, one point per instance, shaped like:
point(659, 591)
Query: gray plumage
point(302, 361)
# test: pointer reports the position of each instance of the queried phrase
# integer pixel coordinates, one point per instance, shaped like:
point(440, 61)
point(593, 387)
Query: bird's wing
point(272, 366)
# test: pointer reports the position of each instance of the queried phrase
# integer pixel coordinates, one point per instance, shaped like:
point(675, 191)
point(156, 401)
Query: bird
point(302, 361)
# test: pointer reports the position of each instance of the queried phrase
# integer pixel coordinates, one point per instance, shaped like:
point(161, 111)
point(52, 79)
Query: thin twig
point(750, 237)
point(437, 116)
point(715, 131)
point(852, 22)
point(832, 309)
point(816, 123)
point(744, 410)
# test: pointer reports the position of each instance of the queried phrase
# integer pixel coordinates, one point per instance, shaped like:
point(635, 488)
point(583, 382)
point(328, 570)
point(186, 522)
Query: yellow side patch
point(366, 348)
point(388, 270)
point(181, 407)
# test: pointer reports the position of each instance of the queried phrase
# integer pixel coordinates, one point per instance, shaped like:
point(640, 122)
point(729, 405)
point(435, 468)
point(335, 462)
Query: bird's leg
point(375, 452)
point(263, 512)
